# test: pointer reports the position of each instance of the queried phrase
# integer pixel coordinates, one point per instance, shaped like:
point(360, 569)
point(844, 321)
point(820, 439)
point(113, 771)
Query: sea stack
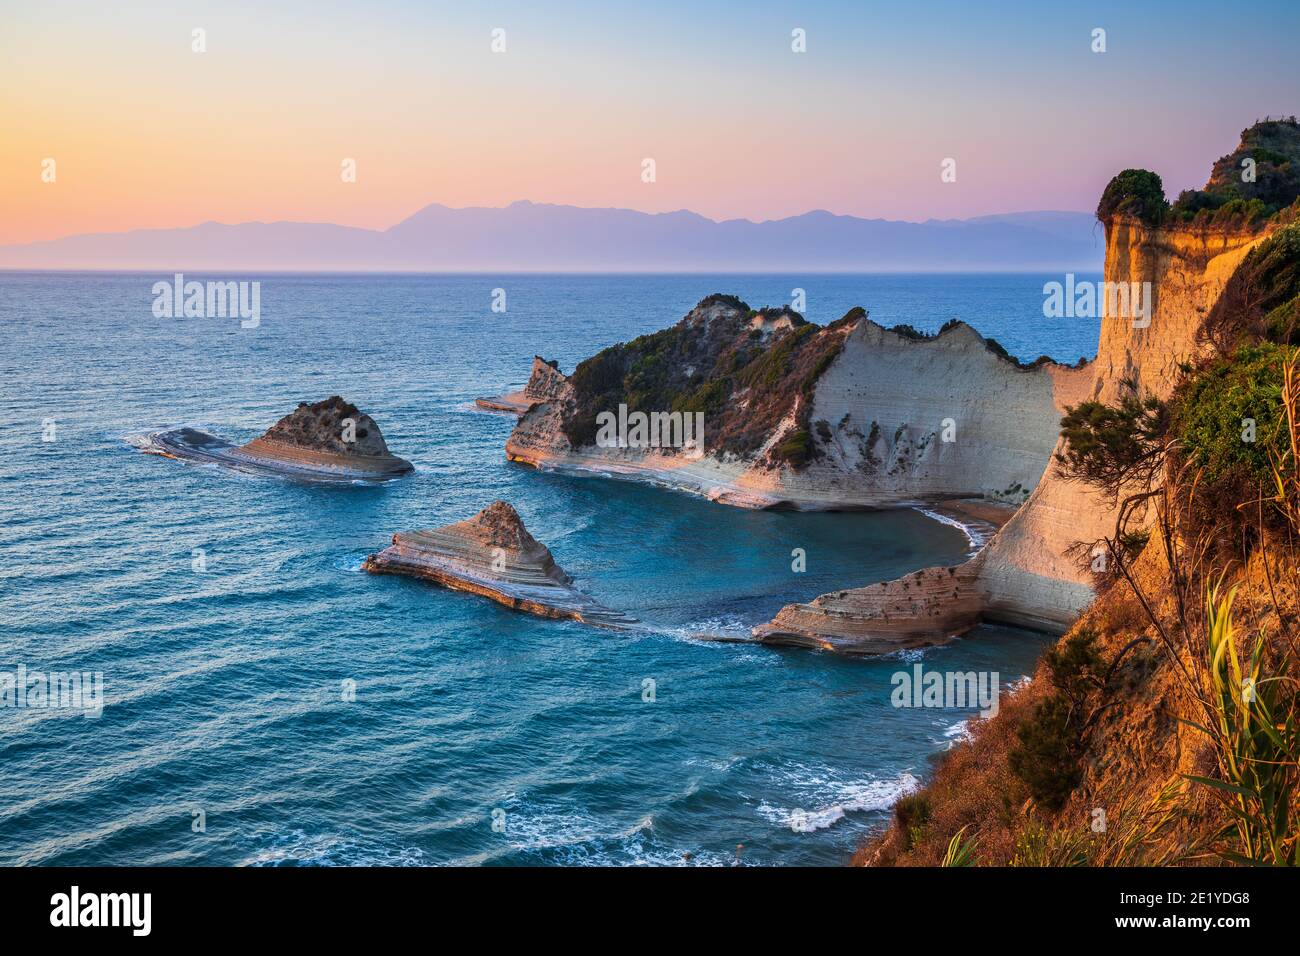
point(329, 441)
point(493, 555)
point(545, 383)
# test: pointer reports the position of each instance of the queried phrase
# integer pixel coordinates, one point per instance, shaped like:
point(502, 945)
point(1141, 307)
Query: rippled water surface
point(223, 688)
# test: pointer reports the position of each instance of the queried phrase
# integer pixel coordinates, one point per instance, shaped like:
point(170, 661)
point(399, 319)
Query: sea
point(267, 703)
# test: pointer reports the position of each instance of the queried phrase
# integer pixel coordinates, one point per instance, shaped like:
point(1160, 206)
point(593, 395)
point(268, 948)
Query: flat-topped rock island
point(327, 441)
point(493, 555)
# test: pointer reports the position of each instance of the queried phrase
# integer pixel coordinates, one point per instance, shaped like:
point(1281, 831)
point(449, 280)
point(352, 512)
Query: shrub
point(1074, 666)
point(912, 813)
point(1045, 759)
point(797, 450)
point(1212, 412)
point(1112, 445)
point(1134, 192)
point(1051, 740)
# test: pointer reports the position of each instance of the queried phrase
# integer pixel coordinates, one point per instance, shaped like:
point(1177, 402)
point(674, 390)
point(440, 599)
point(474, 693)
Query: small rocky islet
point(493, 555)
point(328, 441)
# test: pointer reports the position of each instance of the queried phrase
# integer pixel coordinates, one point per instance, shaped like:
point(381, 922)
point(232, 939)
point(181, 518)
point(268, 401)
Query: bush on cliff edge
point(1229, 422)
point(1134, 192)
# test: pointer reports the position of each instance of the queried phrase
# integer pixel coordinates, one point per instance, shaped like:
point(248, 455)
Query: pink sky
point(146, 132)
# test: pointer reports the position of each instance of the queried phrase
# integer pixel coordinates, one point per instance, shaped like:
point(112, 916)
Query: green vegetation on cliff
point(1134, 192)
point(745, 369)
point(1261, 300)
point(1229, 422)
point(1051, 741)
point(1247, 187)
point(1164, 727)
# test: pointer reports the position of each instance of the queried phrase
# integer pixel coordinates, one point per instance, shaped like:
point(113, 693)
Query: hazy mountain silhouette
point(526, 236)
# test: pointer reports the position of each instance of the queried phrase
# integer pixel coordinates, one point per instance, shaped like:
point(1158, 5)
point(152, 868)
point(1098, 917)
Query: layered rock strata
point(545, 383)
point(881, 618)
point(327, 441)
point(1031, 573)
point(852, 415)
point(493, 555)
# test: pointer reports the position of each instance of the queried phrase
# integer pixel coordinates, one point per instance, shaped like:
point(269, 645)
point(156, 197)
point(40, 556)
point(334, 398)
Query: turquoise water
point(223, 687)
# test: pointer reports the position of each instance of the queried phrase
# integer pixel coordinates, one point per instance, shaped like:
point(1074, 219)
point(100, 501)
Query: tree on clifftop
point(1134, 192)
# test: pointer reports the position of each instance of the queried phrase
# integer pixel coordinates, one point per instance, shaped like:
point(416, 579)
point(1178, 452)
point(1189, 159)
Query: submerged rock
point(493, 555)
point(327, 441)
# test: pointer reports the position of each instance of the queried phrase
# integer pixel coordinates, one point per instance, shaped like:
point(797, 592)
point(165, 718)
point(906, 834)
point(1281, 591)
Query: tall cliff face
point(1187, 267)
point(1028, 574)
point(545, 382)
point(1138, 716)
point(850, 415)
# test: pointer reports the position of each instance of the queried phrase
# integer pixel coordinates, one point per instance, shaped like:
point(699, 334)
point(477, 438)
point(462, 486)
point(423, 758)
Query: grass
point(1255, 733)
point(960, 852)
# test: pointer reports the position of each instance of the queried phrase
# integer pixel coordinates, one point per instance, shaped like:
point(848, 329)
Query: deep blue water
point(223, 688)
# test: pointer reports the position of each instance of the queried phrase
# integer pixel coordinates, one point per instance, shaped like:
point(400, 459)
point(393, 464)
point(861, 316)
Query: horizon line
point(551, 205)
point(364, 273)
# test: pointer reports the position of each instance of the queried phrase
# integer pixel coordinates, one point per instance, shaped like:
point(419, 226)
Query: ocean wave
point(959, 733)
point(297, 848)
point(976, 534)
point(825, 797)
point(570, 838)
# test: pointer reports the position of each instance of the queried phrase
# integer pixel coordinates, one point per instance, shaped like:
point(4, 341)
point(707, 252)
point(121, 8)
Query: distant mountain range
point(535, 237)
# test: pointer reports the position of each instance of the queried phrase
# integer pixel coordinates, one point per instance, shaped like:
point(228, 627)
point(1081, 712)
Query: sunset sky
point(145, 132)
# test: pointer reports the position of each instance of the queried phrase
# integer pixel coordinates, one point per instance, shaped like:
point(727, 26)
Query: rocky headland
point(326, 441)
point(798, 416)
point(1167, 711)
point(854, 415)
point(493, 555)
point(1037, 571)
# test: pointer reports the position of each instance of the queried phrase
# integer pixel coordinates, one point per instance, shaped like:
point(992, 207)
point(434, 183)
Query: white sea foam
point(975, 533)
point(959, 732)
point(910, 654)
point(825, 798)
point(297, 847)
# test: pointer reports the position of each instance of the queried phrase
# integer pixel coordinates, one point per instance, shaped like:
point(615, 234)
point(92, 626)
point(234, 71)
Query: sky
point(146, 132)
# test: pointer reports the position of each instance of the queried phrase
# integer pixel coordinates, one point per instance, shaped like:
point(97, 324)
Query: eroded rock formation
point(330, 440)
point(800, 416)
point(1031, 574)
point(880, 618)
point(545, 383)
point(493, 555)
